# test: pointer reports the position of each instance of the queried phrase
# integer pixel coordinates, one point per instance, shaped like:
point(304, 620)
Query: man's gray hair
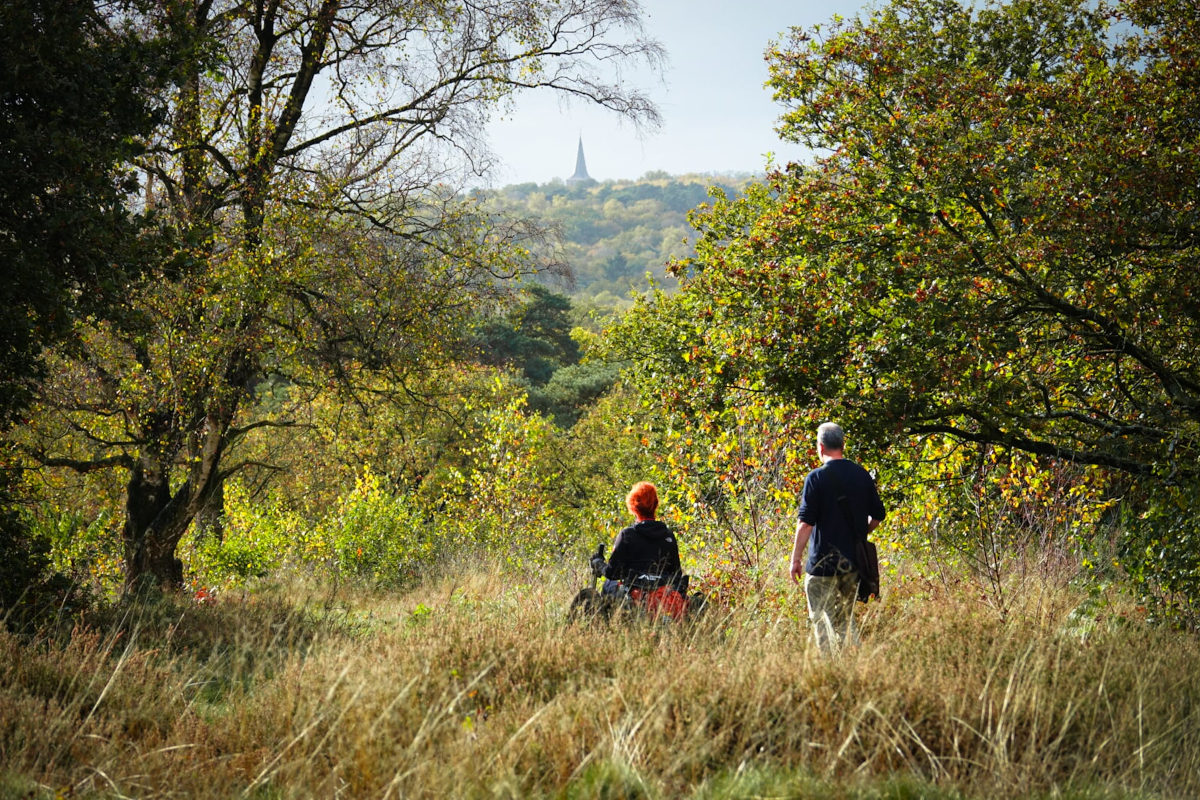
point(831, 435)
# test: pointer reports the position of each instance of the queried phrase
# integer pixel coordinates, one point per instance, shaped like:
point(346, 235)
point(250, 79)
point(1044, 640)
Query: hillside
point(616, 232)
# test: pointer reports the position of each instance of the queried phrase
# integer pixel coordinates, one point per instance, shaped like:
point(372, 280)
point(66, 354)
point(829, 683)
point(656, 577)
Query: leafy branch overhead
point(997, 242)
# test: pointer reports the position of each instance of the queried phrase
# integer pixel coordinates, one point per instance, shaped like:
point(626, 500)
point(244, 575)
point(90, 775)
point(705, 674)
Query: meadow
point(470, 684)
point(300, 454)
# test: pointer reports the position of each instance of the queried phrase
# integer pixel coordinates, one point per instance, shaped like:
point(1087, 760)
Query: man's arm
point(875, 510)
point(810, 503)
point(803, 531)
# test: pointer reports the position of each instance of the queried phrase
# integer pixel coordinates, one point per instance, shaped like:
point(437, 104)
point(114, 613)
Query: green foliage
point(536, 493)
point(386, 493)
point(371, 535)
point(414, 436)
point(501, 506)
point(82, 547)
point(615, 233)
point(572, 390)
point(538, 339)
point(1160, 550)
point(77, 95)
point(533, 337)
point(993, 247)
point(381, 536)
point(992, 514)
point(325, 272)
point(948, 268)
point(255, 537)
point(27, 584)
point(52, 567)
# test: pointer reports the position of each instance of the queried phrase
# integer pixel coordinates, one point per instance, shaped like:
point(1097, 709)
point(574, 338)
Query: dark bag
point(866, 557)
point(868, 569)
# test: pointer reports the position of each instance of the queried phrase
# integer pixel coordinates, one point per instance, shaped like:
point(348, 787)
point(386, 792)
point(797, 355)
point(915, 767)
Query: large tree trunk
point(156, 518)
point(149, 546)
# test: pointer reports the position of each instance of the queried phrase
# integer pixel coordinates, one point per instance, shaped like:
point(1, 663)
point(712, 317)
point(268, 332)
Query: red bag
point(666, 600)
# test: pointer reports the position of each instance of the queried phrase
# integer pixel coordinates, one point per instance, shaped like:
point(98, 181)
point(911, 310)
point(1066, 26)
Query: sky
point(717, 115)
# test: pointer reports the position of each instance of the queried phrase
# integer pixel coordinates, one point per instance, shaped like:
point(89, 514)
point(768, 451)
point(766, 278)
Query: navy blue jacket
point(832, 539)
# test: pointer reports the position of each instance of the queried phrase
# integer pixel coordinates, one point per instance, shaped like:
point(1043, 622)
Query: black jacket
point(646, 547)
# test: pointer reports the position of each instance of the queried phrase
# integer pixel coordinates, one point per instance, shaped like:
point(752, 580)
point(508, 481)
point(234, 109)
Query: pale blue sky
point(717, 115)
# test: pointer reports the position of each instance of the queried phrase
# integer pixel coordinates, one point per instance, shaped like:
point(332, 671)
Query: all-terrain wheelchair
point(643, 597)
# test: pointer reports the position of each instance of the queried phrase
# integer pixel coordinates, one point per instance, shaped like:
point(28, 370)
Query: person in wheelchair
point(645, 555)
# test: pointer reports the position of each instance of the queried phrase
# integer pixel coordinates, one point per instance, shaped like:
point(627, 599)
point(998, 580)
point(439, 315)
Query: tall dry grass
point(471, 685)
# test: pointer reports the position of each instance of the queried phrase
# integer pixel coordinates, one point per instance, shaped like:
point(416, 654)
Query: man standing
point(840, 504)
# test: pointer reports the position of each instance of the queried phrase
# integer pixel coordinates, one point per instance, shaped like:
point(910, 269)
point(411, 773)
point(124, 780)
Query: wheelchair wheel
point(588, 606)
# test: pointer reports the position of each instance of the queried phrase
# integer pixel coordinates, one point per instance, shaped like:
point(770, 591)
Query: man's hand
point(796, 567)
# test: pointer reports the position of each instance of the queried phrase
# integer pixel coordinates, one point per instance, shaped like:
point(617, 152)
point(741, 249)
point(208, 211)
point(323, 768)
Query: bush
point(511, 502)
point(30, 588)
point(1160, 551)
point(256, 536)
point(380, 536)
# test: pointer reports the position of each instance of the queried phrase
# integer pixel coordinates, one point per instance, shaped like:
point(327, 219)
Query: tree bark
point(210, 520)
point(156, 518)
point(149, 547)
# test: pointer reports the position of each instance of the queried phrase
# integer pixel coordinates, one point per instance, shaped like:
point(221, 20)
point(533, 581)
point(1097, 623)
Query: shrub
point(256, 535)
point(1159, 549)
point(378, 535)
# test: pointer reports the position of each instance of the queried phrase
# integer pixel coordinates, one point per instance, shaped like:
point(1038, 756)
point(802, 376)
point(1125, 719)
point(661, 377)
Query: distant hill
point(617, 231)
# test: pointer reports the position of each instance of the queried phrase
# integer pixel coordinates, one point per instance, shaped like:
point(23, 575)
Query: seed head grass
point(471, 684)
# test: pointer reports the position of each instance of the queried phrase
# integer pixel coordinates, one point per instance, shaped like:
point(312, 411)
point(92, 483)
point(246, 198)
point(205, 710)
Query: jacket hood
point(652, 528)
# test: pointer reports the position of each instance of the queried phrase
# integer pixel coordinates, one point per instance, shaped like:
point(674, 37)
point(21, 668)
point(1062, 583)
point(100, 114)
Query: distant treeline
point(616, 232)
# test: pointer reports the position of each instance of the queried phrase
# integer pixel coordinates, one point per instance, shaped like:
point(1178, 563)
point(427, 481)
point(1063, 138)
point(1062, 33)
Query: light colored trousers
point(831, 610)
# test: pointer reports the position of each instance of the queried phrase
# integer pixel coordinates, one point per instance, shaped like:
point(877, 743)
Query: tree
point(77, 92)
point(78, 89)
point(615, 232)
point(997, 241)
point(308, 167)
point(534, 337)
point(535, 340)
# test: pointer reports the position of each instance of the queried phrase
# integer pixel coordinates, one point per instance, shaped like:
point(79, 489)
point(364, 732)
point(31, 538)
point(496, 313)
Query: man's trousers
point(831, 610)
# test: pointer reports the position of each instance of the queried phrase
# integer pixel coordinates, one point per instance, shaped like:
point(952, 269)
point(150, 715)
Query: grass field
point(470, 685)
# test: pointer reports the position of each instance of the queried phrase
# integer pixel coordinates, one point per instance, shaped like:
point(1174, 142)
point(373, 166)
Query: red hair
point(642, 500)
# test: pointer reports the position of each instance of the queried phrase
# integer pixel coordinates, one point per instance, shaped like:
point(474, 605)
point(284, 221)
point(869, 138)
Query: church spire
point(581, 173)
